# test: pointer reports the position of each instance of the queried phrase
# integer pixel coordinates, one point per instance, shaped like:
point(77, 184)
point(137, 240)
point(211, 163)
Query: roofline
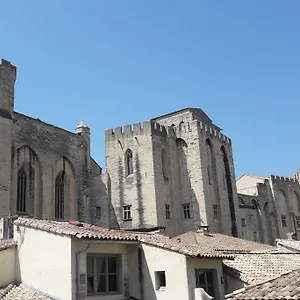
point(288, 247)
point(48, 124)
point(249, 287)
point(109, 241)
point(171, 113)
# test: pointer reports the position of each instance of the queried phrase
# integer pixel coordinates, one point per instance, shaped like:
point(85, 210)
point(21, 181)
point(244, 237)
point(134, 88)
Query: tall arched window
point(128, 162)
point(21, 191)
point(228, 183)
point(210, 162)
point(60, 195)
point(164, 163)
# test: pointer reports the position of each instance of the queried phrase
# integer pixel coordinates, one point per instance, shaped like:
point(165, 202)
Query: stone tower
point(7, 82)
point(174, 171)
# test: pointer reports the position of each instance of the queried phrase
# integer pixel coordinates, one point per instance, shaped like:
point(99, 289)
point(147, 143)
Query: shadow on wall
point(147, 288)
point(140, 207)
point(112, 221)
point(186, 193)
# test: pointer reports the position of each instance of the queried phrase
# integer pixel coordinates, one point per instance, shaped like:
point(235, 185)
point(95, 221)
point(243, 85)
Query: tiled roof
point(223, 243)
point(87, 231)
point(16, 292)
point(289, 244)
point(176, 244)
point(286, 286)
point(5, 244)
point(252, 268)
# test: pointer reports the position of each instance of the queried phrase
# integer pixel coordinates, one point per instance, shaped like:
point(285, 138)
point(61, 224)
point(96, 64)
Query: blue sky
point(113, 63)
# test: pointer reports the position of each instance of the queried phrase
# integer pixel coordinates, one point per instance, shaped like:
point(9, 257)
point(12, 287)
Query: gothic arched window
point(164, 164)
point(21, 191)
point(60, 195)
point(128, 162)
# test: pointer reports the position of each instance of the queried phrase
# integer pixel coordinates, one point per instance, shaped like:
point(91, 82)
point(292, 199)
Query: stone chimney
point(292, 236)
point(204, 229)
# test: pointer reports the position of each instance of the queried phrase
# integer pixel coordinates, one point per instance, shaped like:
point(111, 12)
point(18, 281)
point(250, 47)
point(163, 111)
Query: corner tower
point(202, 172)
point(7, 82)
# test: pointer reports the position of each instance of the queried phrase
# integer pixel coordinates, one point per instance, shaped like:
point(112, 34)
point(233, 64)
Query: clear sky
point(113, 63)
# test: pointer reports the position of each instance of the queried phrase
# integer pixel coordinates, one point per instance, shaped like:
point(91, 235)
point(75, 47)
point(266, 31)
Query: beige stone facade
point(273, 204)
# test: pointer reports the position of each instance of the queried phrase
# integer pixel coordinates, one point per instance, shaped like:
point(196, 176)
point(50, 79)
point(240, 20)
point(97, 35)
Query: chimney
point(291, 236)
point(203, 229)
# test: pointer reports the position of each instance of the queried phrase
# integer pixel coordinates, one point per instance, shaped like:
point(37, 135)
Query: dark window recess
point(160, 278)
point(186, 211)
point(168, 211)
point(21, 191)
point(283, 221)
point(98, 211)
point(129, 162)
point(127, 213)
point(205, 280)
point(243, 222)
point(60, 195)
point(102, 274)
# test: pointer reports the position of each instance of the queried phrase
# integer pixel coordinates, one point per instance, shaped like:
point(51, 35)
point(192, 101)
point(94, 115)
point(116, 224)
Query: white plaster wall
point(45, 262)
point(7, 266)
point(174, 265)
point(215, 264)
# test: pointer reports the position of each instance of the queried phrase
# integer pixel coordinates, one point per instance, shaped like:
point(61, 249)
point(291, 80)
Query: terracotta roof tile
point(286, 286)
point(173, 244)
point(5, 244)
point(86, 231)
point(253, 268)
point(223, 243)
point(18, 292)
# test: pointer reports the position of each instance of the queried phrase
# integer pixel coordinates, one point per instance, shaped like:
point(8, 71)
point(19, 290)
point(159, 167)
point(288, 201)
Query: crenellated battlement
point(282, 178)
point(213, 132)
point(4, 64)
point(136, 129)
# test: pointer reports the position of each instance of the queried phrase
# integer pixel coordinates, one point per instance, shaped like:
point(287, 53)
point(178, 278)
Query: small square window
point(283, 221)
point(209, 175)
point(160, 280)
point(168, 211)
point(127, 213)
point(243, 222)
point(98, 211)
point(186, 211)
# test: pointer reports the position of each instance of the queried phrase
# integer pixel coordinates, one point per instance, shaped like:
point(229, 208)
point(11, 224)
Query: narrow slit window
point(168, 211)
point(21, 191)
point(98, 211)
point(60, 195)
point(129, 162)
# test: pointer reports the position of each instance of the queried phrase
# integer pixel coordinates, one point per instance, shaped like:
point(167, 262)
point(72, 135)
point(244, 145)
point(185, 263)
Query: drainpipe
point(77, 267)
